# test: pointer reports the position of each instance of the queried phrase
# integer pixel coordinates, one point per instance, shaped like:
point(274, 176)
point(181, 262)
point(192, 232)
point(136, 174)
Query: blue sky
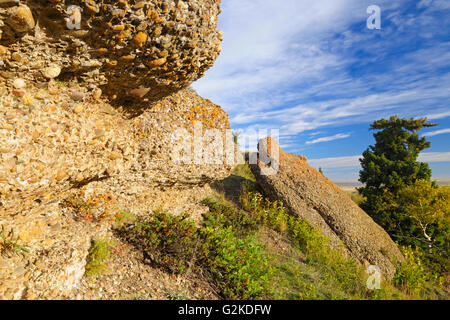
point(314, 71)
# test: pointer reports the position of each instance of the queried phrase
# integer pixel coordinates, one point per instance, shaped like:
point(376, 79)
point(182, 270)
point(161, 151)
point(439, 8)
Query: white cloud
point(295, 65)
point(291, 55)
point(441, 115)
point(338, 162)
point(353, 161)
point(330, 138)
point(432, 157)
point(434, 4)
point(435, 133)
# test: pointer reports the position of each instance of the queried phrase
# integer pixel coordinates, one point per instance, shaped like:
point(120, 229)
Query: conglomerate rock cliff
point(96, 121)
point(54, 149)
point(310, 195)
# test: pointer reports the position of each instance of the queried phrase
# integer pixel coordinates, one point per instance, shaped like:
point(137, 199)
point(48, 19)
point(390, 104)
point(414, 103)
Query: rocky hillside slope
point(311, 196)
point(87, 122)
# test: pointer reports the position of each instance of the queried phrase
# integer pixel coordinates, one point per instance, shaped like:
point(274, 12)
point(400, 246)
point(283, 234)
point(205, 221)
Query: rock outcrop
point(91, 96)
point(310, 195)
point(137, 49)
point(63, 149)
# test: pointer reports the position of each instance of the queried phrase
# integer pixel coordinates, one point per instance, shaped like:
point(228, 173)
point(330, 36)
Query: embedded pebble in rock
point(77, 95)
point(16, 56)
point(97, 93)
point(78, 109)
point(3, 51)
point(18, 93)
point(139, 92)
point(19, 83)
point(53, 90)
point(20, 18)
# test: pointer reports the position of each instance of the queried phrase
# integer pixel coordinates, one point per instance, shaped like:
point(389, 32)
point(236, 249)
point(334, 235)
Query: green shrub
point(411, 275)
point(98, 256)
point(169, 241)
point(235, 260)
point(124, 217)
point(347, 273)
point(223, 215)
point(264, 211)
point(229, 248)
point(240, 266)
point(244, 171)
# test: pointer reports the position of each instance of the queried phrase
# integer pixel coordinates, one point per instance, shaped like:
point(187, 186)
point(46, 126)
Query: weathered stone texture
point(54, 146)
point(156, 46)
point(310, 195)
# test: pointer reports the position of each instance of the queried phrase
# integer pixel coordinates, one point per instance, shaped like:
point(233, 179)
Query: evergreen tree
point(388, 167)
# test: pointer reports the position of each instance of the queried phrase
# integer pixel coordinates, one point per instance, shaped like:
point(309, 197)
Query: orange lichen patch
point(95, 207)
point(156, 63)
point(153, 15)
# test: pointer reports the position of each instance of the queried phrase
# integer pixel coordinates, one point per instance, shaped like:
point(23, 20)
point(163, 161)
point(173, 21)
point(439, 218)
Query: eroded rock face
point(51, 143)
point(310, 195)
point(91, 93)
point(63, 149)
point(155, 47)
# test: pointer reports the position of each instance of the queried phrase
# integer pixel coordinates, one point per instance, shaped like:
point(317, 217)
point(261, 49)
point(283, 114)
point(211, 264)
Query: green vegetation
point(8, 243)
point(388, 167)
point(124, 217)
point(355, 196)
point(231, 186)
point(256, 250)
point(428, 206)
point(236, 263)
point(321, 262)
point(97, 260)
point(169, 241)
point(399, 195)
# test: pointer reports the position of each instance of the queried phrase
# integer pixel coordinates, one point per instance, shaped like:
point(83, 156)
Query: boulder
point(158, 46)
point(308, 194)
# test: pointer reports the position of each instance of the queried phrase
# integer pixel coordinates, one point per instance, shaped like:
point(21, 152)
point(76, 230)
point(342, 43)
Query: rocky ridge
point(310, 195)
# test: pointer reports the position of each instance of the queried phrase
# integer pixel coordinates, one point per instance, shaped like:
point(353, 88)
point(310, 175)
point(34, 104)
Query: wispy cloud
point(432, 157)
point(353, 161)
point(440, 115)
point(337, 162)
point(289, 63)
point(435, 133)
point(330, 138)
point(312, 66)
